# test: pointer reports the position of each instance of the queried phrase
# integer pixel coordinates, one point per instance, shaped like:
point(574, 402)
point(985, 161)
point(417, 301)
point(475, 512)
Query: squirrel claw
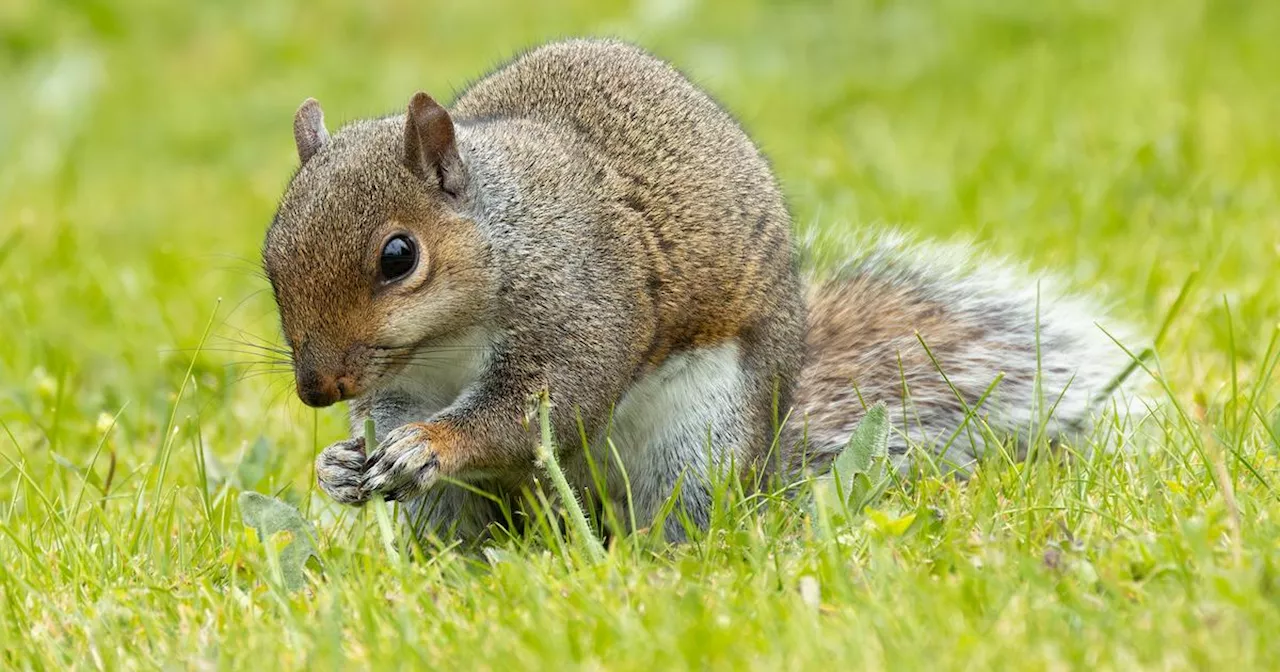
point(404, 466)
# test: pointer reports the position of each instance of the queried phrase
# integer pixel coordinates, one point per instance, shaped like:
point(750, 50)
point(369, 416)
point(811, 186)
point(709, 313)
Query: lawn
point(1132, 147)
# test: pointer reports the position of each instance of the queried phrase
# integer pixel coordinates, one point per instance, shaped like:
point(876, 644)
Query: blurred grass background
point(143, 144)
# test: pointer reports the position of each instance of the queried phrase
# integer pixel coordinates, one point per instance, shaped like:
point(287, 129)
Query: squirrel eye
point(399, 258)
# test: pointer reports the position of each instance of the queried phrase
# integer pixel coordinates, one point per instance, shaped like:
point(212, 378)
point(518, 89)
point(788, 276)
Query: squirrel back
point(675, 172)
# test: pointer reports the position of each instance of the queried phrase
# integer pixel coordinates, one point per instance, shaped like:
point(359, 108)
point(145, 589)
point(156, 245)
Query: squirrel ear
point(430, 151)
point(308, 129)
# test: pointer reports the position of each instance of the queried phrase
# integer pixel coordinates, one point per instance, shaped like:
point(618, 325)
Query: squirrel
point(587, 221)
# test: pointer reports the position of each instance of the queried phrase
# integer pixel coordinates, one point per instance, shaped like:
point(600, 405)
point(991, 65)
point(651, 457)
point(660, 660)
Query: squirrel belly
point(647, 448)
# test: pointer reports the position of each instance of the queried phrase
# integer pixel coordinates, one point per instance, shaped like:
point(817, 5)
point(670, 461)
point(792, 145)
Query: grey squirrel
point(587, 221)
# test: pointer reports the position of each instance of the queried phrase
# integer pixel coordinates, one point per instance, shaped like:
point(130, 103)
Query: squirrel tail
point(968, 353)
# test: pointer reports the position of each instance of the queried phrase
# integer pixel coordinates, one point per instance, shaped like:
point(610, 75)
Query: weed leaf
point(282, 528)
point(856, 477)
point(868, 445)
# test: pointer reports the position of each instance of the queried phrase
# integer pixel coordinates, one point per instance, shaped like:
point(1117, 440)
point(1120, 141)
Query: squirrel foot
point(404, 466)
point(340, 472)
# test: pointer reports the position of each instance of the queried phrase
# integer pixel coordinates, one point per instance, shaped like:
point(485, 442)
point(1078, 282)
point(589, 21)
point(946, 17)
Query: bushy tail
point(962, 350)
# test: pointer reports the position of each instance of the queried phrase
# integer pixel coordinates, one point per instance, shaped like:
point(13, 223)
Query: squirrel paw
point(404, 466)
point(340, 472)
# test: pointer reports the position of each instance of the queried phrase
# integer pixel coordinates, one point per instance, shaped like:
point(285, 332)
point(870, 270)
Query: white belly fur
point(661, 428)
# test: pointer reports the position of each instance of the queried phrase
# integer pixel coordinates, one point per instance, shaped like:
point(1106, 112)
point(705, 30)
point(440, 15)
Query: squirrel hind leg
point(448, 512)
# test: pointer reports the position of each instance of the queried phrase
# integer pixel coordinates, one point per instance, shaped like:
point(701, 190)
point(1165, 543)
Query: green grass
point(1123, 144)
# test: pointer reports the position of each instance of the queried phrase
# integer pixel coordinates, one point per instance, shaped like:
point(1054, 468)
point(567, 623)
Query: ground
point(1132, 147)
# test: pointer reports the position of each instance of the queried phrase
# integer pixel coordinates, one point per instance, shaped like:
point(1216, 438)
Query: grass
point(1128, 145)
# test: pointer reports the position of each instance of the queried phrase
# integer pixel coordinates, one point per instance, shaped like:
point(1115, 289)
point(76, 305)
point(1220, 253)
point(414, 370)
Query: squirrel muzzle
point(321, 382)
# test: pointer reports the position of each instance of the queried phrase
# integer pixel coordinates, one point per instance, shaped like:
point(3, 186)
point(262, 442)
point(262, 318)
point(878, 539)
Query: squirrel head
point(371, 254)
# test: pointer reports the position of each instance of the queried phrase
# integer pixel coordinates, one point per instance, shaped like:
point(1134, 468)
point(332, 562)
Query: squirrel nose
point(317, 390)
point(323, 377)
